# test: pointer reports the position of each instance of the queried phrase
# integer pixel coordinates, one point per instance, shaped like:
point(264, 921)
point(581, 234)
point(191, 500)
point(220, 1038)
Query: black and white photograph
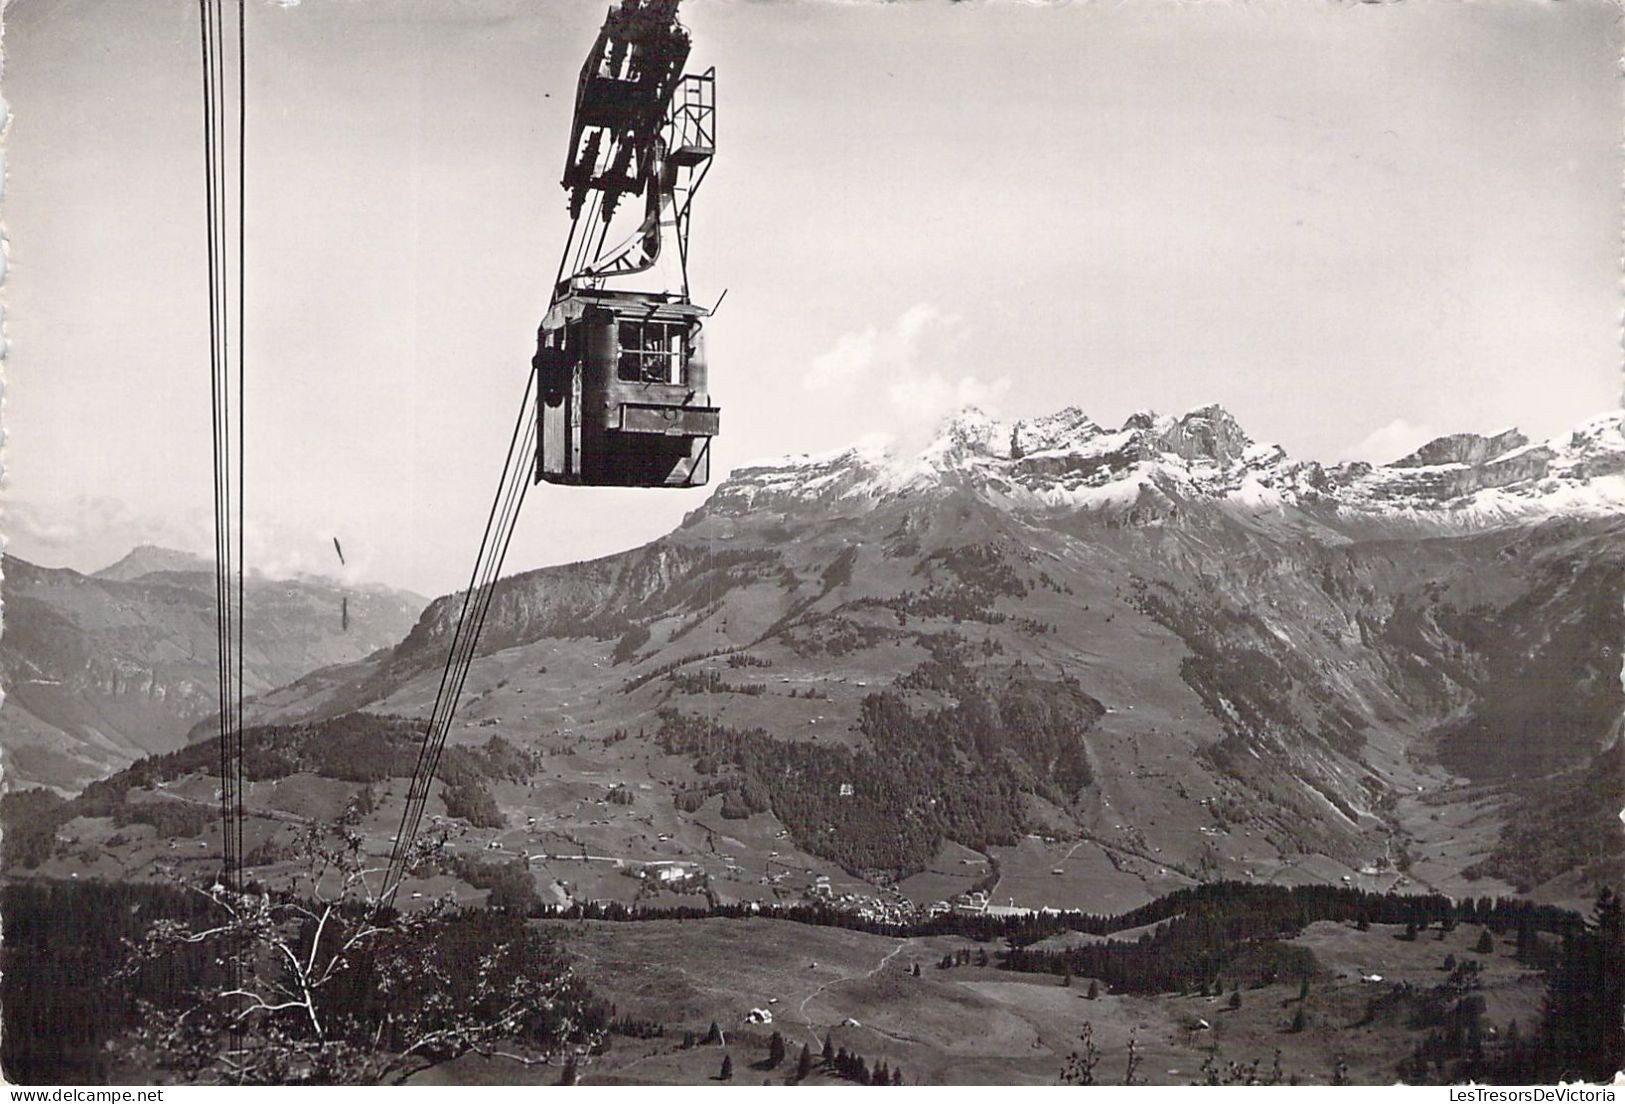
point(813, 543)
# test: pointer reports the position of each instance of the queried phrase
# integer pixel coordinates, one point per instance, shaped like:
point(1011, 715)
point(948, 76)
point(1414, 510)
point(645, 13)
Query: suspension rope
point(225, 303)
point(221, 613)
point(499, 527)
point(591, 223)
point(225, 274)
point(242, 404)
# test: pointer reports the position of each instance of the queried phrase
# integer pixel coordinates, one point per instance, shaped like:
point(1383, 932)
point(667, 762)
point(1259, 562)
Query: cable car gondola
point(622, 391)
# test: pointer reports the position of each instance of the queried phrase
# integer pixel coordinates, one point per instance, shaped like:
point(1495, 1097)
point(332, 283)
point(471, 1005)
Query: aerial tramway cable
point(476, 603)
point(227, 432)
point(220, 88)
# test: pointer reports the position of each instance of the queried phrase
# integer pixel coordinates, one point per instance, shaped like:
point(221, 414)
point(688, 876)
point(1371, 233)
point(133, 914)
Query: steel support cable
point(505, 530)
point(473, 621)
point(221, 351)
point(458, 661)
point(242, 395)
point(463, 658)
point(227, 437)
point(205, 27)
point(513, 497)
point(454, 654)
point(454, 676)
point(460, 676)
point(221, 340)
point(222, 520)
point(213, 189)
point(494, 541)
point(590, 223)
point(564, 255)
point(223, 506)
point(513, 472)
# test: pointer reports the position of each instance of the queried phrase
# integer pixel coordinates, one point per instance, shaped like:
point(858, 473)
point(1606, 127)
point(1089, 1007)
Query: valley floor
point(978, 1024)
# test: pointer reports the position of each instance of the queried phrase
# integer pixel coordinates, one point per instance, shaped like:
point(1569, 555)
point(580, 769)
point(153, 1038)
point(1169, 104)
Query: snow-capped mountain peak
point(1156, 465)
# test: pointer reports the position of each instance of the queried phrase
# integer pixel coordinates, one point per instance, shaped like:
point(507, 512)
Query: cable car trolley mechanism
point(622, 394)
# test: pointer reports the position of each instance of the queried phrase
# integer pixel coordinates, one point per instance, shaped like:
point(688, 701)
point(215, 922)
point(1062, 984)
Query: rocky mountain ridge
point(1154, 465)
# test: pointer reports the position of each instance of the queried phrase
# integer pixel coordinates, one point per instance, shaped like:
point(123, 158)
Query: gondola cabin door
point(622, 392)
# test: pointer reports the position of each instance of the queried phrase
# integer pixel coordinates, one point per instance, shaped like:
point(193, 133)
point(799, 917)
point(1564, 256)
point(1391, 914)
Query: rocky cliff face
point(101, 669)
point(1471, 449)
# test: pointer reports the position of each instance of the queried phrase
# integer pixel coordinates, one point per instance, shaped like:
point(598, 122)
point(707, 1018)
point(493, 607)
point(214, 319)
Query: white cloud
point(928, 398)
point(897, 348)
point(910, 362)
point(1388, 443)
point(89, 533)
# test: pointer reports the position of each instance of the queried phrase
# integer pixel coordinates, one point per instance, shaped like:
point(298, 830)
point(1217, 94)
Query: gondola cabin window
point(651, 352)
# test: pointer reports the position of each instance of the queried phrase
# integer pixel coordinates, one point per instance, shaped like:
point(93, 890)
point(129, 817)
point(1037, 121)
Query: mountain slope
point(102, 669)
point(1109, 661)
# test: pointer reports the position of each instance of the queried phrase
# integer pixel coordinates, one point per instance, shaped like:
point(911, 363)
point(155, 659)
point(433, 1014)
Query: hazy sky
point(1351, 224)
